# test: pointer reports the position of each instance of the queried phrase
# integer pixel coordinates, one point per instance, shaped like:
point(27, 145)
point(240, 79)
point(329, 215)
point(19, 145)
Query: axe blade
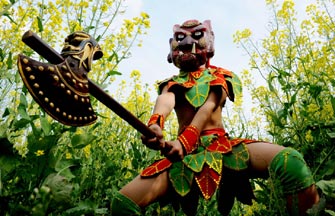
point(52, 56)
point(56, 88)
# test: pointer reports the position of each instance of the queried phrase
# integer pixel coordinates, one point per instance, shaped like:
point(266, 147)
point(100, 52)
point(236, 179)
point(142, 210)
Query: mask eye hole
point(180, 36)
point(197, 35)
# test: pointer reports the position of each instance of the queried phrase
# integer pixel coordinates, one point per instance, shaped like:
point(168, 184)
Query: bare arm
point(165, 103)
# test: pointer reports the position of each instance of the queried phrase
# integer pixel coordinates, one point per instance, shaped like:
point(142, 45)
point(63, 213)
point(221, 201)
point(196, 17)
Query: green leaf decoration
point(236, 83)
point(181, 78)
point(197, 95)
point(214, 161)
point(207, 140)
point(237, 159)
point(181, 178)
point(195, 161)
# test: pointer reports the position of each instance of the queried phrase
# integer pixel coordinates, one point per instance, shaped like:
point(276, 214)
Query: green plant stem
point(324, 160)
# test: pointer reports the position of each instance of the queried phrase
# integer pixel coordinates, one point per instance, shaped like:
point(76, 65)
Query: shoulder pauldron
point(198, 84)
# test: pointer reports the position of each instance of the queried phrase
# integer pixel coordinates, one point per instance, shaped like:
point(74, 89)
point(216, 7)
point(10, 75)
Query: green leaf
point(22, 123)
point(113, 72)
point(23, 112)
point(23, 100)
point(113, 56)
point(330, 212)
point(281, 72)
point(82, 208)
point(46, 127)
point(9, 61)
point(6, 113)
point(333, 103)
point(315, 90)
point(63, 168)
point(10, 18)
point(8, 163)
point(293, 98)
point(88, 28)
point(271, 88)
point(39, 23)
point(331, 134)
point(98, 38)
point(82, 140)
point(2, 55)
point(327, 187)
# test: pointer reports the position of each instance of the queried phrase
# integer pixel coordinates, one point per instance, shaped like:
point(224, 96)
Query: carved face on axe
point(62, 90)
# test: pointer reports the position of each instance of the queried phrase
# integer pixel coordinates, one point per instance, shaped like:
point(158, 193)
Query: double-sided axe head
point(62, 87)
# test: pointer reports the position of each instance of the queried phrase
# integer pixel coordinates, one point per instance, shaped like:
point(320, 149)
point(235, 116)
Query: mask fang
point(193, 49)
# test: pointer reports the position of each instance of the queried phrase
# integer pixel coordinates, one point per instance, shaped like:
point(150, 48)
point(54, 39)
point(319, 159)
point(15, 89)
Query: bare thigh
point(261, 155)
point(145, 191)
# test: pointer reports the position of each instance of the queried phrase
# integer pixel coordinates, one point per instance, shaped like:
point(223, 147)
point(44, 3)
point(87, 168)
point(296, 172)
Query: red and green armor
point(209, 153)
point(214, 150)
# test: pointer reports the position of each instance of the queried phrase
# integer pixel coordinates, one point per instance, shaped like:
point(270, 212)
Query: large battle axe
point(62, 88)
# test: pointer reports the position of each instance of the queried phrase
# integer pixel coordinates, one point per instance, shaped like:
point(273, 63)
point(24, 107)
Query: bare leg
point(261, 155)
point(306, 199)
point(144, 191)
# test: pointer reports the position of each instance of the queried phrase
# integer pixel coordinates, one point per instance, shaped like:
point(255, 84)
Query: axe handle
point(52, 56)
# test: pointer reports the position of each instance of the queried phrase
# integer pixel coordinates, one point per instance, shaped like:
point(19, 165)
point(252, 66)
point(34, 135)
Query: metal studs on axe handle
point(62, 88)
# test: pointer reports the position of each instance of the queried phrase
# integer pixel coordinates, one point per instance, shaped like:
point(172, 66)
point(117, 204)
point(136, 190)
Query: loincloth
point(204, 166)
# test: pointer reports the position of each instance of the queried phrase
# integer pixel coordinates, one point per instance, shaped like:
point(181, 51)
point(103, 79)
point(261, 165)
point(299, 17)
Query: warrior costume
point(214, 149)
point(218, 155)
point(213, 160)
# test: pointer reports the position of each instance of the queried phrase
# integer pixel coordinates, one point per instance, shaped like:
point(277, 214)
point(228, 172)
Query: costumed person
point(204, 158)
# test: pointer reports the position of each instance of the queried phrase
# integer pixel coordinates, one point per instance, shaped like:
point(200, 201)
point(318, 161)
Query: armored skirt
point(215, 152)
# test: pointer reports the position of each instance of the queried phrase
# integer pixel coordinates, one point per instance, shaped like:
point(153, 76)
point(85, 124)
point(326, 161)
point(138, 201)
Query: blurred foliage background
point(47, 168)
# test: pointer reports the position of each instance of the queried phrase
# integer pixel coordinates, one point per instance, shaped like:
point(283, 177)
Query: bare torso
point(185, 113)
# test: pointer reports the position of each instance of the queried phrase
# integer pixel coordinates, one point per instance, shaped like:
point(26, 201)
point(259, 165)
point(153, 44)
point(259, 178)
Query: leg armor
point(122, 205)
point(289, 169)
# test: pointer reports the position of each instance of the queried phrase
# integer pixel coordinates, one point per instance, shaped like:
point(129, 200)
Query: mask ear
point(169, 57)
point(209, 31)
point(176, 27)
point(208, 24)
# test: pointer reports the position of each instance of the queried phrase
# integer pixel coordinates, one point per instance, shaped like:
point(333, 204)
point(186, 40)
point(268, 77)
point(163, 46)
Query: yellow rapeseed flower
point(246, 33)
point(145, 15)
point(39, 153)
point(309, 136)
point(87, 150)
point(68, 155)
point(135, 74)
point(312, 108)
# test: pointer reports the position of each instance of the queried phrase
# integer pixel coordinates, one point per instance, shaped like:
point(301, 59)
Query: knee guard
point(122, 205)
point(289, 169)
